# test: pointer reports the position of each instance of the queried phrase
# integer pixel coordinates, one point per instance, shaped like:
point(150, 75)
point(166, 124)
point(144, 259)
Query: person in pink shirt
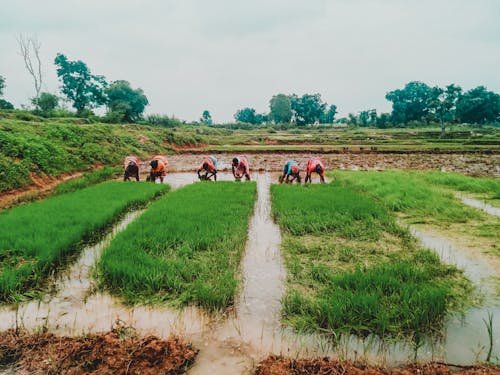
point(240, 167)
point(131, 166)
point(315, 165)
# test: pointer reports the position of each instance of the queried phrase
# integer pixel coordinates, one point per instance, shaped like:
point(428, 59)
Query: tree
point(206, 118)
point(4, 104)
point(478, 106)
point(307, 109)
point(410, 103)
point(442, 104)
point(328, 116)
point(124, 102)
point(280, 108)
point(247, 115)
point(47, 102)
point(30, 49)
point(2, 84)
point(85, 90)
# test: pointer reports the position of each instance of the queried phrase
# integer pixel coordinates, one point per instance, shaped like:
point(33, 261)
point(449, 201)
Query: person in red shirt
point(209, 165)
point(315, 165)
point(131, 166)
point(240, 167)
point(158, 168)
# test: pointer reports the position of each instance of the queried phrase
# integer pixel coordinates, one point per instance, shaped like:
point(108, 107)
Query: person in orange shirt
point(131, 166)
point(158, 168)
point(240, 167)
point(315, 165)
point(209, 165)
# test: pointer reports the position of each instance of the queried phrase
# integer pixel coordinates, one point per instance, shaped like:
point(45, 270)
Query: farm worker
point(131, 166)
point(240, 167)
point(315, 165)
point(158, 168)
point(209, 165)
point(290, 172)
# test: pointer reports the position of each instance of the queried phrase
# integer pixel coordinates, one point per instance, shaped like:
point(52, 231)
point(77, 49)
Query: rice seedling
point(36, 238)
point(184, 249)
point(352, 269)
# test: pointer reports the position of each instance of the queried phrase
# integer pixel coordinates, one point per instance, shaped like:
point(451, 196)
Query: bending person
point(158, 168)
point(209, 165)
point(315, 165)
point(291, 171)
point(240, 167)
point(131, 166)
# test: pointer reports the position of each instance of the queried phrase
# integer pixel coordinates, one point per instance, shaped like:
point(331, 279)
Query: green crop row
point(352, 269)
point(185, 248)
point(36, 238)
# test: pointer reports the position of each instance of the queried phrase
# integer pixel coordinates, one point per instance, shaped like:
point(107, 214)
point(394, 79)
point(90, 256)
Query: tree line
point(415, 103)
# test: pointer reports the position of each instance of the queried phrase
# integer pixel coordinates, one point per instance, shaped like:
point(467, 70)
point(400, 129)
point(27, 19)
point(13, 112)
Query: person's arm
point(232, 167)
point(215, 175)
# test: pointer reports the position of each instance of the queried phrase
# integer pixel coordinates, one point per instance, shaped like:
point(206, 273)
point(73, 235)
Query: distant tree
point(206, 118)
point(308, 108)
point(280, 108)
point(124, 102)
point(478, 106)
point(79, 85)
point(383, 121)
point(30, 51)
point(442, 105)
point(352, 119)
point(46, 102)
point(2, 84)
point(329, 115)
point(247, 115)
point(410, 103)
point(4, 104)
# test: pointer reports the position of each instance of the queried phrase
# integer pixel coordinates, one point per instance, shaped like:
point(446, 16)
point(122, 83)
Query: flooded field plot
point(379, 268)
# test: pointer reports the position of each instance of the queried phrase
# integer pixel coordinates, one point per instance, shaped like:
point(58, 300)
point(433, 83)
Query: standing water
point(489, 209)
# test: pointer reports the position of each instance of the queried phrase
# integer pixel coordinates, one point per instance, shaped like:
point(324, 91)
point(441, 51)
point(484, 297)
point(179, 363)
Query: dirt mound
point(110, 353)
point(277, 365)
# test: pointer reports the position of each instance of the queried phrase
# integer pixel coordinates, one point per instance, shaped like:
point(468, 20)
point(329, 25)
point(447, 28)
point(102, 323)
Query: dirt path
point(41, 187)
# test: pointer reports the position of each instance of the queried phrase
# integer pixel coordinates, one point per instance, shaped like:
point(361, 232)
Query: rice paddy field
point(347, 259)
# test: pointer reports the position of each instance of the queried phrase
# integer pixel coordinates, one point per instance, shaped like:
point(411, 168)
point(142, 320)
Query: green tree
point(410, 103)
point(85, 90)
point(308, 108)
point(206, 118)
point(247, 115)
point(125, 103)
point(46, 102)
point(383, 121)
point(329, 115)
point(280, 109)
point(478, 106)
point(2, 84)
point(4, 104)
point(443, 104)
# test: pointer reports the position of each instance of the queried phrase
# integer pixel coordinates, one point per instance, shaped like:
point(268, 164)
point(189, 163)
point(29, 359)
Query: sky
point(224, 55)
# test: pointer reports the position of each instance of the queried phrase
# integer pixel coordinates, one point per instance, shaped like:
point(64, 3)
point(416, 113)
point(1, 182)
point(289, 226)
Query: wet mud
point(110, 353)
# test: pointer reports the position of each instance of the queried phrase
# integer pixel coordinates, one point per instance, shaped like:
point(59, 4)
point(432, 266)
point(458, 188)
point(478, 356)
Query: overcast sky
point(224, 55)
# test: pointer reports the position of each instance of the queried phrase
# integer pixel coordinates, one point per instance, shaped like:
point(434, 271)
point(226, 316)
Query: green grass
point(351, 269)
point(185, 248)
point(407, 192)
point(39, 237)
point(88, 179)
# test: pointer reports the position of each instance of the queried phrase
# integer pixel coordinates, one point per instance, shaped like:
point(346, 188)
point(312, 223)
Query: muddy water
point(489, 209)
point(466, 338)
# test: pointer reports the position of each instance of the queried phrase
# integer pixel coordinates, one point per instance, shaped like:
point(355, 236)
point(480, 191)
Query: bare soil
point(110, 353)
point(278, 365)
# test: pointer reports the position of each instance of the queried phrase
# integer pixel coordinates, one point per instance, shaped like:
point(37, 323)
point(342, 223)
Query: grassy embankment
point(39, 237)
point(429, 198)
point(352, 269)
point(185, 248)
point(53, 148)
